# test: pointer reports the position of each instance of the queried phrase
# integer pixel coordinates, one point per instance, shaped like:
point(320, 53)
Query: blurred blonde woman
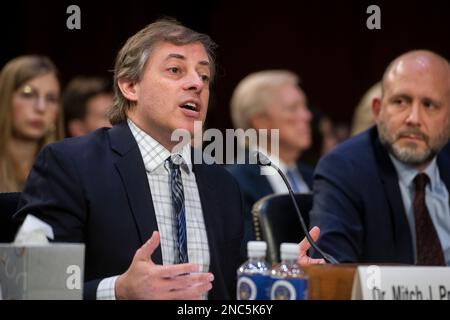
point(30, 116)
point(362, 118)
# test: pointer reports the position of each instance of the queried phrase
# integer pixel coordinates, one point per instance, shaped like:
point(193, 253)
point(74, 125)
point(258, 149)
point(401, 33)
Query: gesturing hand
point(146, 280)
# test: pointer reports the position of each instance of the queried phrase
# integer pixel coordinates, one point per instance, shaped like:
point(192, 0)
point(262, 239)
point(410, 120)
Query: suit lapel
point(401, 232)
point(443, 162)
point(132, 171)
point(257, 179)
point(307, 174)
point(210, 208)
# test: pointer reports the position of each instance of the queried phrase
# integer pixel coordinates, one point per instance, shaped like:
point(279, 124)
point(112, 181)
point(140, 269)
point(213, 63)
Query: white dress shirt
point(276, 182)
point(436, 199)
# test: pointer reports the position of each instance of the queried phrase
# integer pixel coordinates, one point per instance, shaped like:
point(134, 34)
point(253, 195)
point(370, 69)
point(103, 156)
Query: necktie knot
point(421, 181)
point(175, 160)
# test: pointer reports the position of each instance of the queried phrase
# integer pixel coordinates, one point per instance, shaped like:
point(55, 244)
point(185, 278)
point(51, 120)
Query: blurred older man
point(272, 99)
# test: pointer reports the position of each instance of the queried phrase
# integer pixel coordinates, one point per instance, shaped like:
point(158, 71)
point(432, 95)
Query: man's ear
point(259, 121)
point(376, 108)
point(129, 89)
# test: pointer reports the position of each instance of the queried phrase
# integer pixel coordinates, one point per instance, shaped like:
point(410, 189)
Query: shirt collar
point(406, 173)
point(155, 154)
point(277, 161)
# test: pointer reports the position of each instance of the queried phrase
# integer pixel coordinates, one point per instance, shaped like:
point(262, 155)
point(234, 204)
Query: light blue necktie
point(292, 180)
point(176, 184)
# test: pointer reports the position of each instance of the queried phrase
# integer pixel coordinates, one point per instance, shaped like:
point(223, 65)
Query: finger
point(191, 293)
point(144, 253)
point(190, 280)
point(306, 261)
point(318, 261)
point(315, 233)
point(304, 244)
point(170, 271)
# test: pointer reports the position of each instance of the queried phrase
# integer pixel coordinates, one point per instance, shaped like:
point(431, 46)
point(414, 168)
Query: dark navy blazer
point(358, 204)
point(94, 189)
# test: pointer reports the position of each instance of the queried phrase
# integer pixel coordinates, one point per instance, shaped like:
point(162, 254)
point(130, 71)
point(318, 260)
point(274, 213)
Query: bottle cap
point(289, 251)
point(256, 249)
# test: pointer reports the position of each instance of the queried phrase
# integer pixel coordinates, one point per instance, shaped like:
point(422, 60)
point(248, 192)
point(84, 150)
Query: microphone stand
point(263, 160)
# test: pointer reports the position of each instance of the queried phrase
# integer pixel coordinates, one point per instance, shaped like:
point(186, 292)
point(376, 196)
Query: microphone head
point(261, 158)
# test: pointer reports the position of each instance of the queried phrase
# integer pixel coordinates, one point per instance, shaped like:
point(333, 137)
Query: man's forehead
point(192, 51)
point(419, 66)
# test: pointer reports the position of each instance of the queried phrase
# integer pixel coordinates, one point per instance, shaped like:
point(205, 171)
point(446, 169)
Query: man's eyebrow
point(181, 57)
point(205, 63)
point(402, 96)
point(176, 56)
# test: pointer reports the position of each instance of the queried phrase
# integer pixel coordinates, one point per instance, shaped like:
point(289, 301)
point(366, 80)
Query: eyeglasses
point(31, 94)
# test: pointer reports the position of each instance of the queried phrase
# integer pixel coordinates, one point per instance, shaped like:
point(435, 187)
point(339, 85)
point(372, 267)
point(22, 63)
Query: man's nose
point(307, 114)
point(414, 117)
point(194, 82)
point(303, 113)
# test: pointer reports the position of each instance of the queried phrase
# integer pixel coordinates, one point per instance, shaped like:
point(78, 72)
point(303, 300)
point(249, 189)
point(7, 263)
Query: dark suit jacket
point(94, 189)
point(358, 204)
point(254, 186)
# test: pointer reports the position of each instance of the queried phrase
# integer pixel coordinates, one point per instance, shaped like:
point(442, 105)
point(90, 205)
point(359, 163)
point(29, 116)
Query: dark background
point(325, 42)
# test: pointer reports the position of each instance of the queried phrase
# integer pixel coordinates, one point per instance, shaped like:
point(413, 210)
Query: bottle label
point(289, 289)
point(254, 287)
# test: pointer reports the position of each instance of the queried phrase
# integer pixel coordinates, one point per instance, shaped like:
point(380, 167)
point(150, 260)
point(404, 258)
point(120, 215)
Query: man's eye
point(429, 105)
point(174, 70)
point(205, 78)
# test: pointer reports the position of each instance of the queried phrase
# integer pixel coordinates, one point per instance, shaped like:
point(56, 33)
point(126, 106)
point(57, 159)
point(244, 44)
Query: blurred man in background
point(272, 99)
point(86, 102)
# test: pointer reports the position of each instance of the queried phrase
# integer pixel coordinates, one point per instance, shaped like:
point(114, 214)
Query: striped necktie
point(176, 184)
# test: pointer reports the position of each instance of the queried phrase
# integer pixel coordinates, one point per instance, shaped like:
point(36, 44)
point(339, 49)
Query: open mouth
point(190, 106)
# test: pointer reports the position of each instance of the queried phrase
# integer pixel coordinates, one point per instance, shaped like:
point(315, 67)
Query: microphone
point(263, 160)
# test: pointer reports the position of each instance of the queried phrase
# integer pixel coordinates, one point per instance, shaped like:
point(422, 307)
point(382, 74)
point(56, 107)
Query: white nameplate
point(401, 283)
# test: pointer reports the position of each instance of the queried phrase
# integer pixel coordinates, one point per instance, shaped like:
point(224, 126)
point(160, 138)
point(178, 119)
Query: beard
point(410, 153)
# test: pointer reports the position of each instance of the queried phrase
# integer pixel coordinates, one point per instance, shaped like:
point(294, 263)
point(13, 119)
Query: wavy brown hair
point(132, 58)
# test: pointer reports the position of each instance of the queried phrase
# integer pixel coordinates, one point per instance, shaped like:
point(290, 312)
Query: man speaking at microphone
point(155, 225)
point(383, 196)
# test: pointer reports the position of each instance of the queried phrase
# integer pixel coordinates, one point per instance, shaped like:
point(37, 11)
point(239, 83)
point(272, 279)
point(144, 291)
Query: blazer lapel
point(401, 232)
point(132, 171)
point(443, 162)
point(207, 192)
point(260, 184)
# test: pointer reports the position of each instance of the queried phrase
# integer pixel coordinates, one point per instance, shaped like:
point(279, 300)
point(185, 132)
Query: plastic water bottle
point(254, 275)
point(290, 281)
